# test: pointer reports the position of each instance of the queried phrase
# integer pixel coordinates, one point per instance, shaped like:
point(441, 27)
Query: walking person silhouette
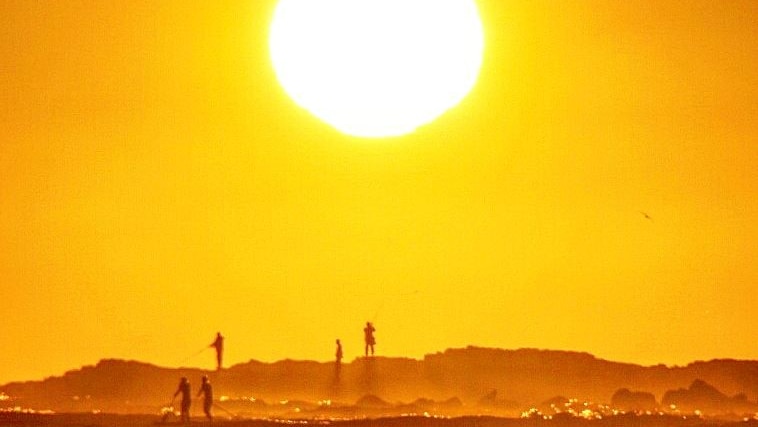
point(207, 391)
point(184, 389)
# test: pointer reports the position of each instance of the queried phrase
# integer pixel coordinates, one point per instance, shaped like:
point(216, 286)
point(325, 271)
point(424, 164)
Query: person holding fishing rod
point(207, 391)
point(218, 344)
point(368, 337)
point(184, 389)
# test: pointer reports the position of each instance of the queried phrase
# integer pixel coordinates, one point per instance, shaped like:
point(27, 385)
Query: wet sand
point(113, 420)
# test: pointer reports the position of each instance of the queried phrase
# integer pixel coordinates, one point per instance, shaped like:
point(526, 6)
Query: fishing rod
point(378, 310)
point(193, 355)
point(225, 410)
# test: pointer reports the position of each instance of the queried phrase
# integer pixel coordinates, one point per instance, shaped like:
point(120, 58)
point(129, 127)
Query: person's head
point(205, 378)
point(184, 380)
point(338, 341)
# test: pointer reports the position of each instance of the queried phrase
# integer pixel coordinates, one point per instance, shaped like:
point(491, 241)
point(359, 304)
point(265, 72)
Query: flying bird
point(646, 215)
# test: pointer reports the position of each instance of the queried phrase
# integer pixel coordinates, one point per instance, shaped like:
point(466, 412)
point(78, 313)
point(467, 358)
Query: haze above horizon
point(594, 192)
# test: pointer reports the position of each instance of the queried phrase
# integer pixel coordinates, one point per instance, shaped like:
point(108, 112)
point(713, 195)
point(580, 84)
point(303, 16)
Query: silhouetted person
point(338, 360)
point(184, 389)
point(218, 344)
point(368, 336)
point(338, 353)
point(207, 391)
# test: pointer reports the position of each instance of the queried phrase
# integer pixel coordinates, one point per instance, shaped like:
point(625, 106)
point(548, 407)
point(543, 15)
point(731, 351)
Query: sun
point(376, 68)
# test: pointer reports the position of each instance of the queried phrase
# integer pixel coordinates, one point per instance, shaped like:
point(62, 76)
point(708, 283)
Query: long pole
point(193, 355)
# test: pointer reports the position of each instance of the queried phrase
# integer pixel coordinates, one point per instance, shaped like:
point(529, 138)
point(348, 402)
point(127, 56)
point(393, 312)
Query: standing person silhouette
point(184, 389)
point(218, 344)
point(207, 391)
point(338, 353)
point(368, 336)
point(338, 360)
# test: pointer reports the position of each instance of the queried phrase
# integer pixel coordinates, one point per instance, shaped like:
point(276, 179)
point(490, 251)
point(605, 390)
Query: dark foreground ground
point(111, 420)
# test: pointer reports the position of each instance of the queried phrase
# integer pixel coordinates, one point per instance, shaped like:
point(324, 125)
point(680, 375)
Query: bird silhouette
point(646, 215)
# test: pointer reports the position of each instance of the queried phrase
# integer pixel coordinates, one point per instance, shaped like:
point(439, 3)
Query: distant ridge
point(522, 377)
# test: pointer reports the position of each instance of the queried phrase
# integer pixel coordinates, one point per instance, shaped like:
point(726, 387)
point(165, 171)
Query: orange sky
point(157, 185)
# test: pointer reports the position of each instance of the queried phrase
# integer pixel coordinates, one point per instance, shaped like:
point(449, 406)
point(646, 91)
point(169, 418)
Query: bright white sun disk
point(376, 68)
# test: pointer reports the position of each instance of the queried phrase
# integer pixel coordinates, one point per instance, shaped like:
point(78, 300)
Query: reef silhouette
point(455, 382)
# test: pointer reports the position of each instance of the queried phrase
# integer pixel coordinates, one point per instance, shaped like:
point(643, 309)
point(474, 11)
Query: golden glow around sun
point(376, 68)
